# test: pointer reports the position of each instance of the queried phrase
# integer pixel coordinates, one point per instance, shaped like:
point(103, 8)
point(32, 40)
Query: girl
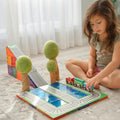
point(103, 32)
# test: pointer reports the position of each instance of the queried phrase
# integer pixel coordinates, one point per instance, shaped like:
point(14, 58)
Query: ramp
point(13, 52)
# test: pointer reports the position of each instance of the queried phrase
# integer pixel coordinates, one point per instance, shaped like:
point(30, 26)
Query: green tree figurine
point(24, 66)
point(51, 51)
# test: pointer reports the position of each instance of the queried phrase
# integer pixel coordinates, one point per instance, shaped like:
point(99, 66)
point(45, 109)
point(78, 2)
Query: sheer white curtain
point(30, 23)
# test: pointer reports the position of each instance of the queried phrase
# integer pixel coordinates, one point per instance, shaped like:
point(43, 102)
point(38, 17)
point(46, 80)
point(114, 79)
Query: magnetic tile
point(13, 61)
point(69, 90)
point(56, 85)
point(32, 83)
point(9, 60)
point(42, 95)
point(18, 74)
point(14, 72)
point(52, 98)
point(36, 91)
point(79, 95)
point(9, 69)
point(58, 103)
point(47, 97)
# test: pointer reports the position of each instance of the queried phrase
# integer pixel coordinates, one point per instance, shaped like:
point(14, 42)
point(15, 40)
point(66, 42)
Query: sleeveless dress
point(103, 58)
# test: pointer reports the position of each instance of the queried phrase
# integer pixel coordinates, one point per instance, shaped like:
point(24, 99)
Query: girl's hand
point(90, 73)
point(94, 82)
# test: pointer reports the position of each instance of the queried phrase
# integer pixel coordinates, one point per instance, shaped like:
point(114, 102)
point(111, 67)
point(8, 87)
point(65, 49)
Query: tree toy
point(51, 51)
point(24, 66)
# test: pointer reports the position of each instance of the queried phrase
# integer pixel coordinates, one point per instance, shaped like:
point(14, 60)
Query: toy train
point(77, 82)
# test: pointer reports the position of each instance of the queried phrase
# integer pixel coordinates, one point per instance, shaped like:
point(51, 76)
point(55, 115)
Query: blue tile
point(58, 103)
point(48, 97)
point(52, 98)
point(69, 90)
point(36, 91)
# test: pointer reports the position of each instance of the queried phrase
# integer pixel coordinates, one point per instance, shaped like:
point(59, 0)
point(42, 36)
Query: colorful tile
point(9, 70)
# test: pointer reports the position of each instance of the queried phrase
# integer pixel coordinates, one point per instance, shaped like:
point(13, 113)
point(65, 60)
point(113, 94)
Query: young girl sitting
point(103, 32)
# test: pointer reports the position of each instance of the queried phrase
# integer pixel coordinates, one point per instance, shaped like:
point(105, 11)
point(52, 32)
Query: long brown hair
point(105, 9)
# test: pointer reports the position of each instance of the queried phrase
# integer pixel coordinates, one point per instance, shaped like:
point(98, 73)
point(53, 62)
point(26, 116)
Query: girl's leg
point(112, 80)
point(78, 68)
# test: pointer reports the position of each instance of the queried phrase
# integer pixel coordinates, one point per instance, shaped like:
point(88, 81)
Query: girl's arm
point(91, 61)
point(109, 68)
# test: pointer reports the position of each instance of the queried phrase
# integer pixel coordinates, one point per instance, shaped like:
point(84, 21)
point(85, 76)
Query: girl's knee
point(68, 62)
point(110, 83)
point(106, 82)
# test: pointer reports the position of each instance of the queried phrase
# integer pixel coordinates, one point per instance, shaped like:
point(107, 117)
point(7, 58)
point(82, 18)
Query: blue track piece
point(69, 90)
point(51, 99)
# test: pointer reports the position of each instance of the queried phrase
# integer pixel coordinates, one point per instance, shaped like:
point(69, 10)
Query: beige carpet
point(12, 108)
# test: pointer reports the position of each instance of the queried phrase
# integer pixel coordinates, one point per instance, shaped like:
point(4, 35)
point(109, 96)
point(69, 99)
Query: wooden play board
point(59, 99)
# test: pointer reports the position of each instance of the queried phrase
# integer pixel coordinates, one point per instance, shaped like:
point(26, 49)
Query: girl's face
point(98, 24)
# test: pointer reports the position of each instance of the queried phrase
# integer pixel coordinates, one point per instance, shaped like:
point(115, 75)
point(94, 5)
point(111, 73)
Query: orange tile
point(18, 75)
point(8, 52)
point(9, 60)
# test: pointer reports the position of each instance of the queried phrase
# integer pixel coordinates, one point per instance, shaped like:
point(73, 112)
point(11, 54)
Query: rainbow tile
point(14, 71)
point(9, 60)
point(9, 70)
point(13, 61)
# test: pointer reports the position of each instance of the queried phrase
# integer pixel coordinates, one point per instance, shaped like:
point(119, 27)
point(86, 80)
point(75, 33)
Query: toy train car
point(77, 82)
